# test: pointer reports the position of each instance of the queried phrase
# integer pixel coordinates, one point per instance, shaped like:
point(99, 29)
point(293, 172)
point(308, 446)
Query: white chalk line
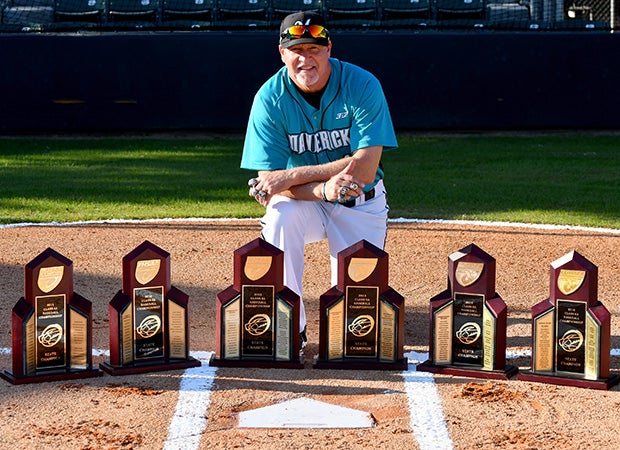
point(480, 223)
point(426, 417)
point(535, 226)
point(122, 221)
point(190, 415)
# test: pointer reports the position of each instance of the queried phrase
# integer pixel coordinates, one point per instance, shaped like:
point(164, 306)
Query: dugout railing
point(474, 15)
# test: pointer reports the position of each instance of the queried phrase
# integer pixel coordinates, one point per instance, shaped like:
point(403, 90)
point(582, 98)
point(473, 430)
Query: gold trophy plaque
point(51, 325)
point(468, 320)
point(148, 317)
point(571, 330)
point(257, 318)
point(361, 324)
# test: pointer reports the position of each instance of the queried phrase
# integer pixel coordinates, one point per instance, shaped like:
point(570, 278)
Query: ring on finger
point(354, 186)
point(262, 194)
point(344, 190)
point(252, 182)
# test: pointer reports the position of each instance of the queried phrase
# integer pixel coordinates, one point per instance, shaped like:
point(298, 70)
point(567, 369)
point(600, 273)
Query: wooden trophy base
point(135, 368)
point(356, 364)
point(600, 384)
point(470, 372)
point(259, 364)
point(44, 377)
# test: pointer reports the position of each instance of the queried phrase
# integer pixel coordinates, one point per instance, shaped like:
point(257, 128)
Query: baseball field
point(526, 201)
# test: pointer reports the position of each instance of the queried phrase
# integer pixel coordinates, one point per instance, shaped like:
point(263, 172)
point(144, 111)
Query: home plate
point(305, 413)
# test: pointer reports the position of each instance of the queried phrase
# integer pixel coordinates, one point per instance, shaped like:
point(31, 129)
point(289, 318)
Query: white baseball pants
point(291, 224)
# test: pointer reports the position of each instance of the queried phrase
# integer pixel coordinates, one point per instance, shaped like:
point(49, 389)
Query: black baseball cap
point(315, 35)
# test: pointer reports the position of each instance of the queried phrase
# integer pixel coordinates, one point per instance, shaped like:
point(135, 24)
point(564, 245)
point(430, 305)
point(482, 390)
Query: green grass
point(569, 180)
point(72, 179)
point(557, 179)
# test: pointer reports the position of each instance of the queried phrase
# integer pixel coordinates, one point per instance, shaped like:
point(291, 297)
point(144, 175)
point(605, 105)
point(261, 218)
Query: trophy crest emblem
point(256, 267)
point(570, 280)
point(50, 277)
point(146, 270)
point(361, 268)
point(467, 273)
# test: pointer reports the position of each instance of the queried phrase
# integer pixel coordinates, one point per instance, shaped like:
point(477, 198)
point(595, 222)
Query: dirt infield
point(135, 411)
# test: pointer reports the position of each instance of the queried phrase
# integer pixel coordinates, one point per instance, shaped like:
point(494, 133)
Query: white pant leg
point(289, 225)
point(348, 226)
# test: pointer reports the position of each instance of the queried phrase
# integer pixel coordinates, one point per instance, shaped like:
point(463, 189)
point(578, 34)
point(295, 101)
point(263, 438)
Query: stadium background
point(131, 65)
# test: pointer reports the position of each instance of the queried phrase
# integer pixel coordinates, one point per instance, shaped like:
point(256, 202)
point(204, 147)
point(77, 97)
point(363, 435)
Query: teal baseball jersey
point(285, 131)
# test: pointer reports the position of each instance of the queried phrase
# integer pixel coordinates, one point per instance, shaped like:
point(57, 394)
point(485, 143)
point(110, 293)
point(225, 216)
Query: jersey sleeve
point(372, 123)
point(265, 146)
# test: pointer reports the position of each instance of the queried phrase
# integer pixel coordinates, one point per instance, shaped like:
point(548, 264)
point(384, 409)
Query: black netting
point(531, 15)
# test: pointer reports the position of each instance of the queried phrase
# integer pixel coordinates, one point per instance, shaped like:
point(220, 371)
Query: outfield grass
point(557, 179)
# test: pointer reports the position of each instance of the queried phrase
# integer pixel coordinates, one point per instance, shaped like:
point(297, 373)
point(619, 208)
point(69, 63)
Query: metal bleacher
point(67, 15)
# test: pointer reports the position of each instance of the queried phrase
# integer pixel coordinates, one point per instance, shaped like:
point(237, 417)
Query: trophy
point(148, 317)
point(361, 324)
point(51, 325)
point(257, 318)
point(571, 330)
point(468, 321)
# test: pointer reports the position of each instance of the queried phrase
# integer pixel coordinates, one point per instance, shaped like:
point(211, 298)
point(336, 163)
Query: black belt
point(366, 196)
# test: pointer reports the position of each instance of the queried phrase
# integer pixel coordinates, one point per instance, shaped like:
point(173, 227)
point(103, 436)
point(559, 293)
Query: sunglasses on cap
point(297, 31)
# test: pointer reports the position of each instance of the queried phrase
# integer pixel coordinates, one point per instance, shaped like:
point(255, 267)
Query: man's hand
point(343, 185)
point(269, 183)
point(259, 195)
